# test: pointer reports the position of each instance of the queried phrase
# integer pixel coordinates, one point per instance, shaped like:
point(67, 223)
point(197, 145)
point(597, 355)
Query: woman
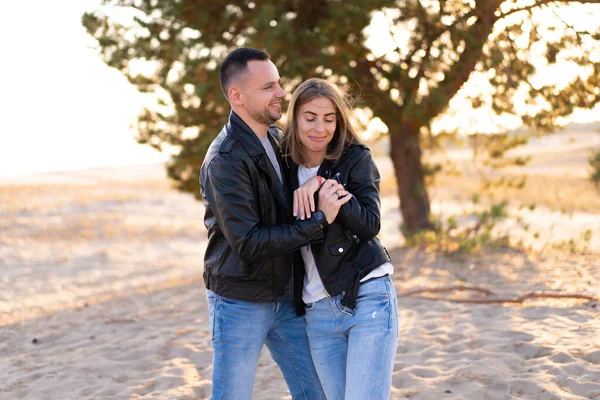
point(351, 308)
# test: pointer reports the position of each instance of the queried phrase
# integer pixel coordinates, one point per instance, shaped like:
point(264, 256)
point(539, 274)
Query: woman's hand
point(331, 197)
point(304, 199)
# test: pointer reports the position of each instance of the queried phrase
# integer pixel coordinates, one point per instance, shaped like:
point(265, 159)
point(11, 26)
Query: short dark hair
point(236, 64)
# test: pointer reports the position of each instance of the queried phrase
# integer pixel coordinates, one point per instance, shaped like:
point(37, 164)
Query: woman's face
point(316, 126)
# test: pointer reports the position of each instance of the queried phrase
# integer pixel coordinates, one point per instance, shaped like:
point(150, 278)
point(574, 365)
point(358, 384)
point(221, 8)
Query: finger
point(295, 204)
point(301, 205)
point(306, 201)
point(344, 199)
point(328, 194)
point(331, 187)
point(337, 187)
point(329, 183)
point(312, 203)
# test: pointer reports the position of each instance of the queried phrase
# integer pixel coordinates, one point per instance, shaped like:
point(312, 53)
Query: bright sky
point(62, 108)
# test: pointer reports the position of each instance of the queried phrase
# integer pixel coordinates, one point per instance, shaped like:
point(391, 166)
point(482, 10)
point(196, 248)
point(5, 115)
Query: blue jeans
point(354, 354)
point(240, 329)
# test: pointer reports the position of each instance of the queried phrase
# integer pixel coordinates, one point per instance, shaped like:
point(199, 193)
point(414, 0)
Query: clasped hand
point(332, 196)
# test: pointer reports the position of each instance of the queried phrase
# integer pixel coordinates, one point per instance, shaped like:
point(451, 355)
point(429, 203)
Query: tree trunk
point(406, 157)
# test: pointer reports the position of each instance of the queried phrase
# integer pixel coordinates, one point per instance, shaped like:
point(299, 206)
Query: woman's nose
point(319, 127)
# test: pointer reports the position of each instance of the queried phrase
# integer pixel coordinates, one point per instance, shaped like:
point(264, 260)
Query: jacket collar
point(252, 145)
point(328, 169)
point(242, 132)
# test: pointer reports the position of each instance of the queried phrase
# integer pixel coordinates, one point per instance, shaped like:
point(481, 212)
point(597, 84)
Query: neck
point(313, 160)
point(259, 129)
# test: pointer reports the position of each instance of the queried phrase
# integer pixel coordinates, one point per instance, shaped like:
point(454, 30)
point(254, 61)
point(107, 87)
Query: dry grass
point(112, 226)
point(38, 197)
point(557, 174)
point(557, 193)
point(104, 211)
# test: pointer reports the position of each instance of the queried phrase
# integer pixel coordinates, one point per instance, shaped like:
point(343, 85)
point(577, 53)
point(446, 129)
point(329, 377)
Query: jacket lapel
point(275, 186)
point(256, 150)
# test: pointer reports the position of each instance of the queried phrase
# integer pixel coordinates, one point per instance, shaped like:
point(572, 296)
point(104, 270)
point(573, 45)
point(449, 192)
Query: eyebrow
point(326, 115)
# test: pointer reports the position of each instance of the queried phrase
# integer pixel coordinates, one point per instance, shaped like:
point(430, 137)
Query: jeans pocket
point(348, 311)
point(310, 306)
point(342, 308)
point(376, 288)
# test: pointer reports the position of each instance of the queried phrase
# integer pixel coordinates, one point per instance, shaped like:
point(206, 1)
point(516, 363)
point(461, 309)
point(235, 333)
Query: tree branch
point(516, 299)
point(461, 70)
point(542, 3)
point(527, 8)
point(413, 86)
point(578, 33)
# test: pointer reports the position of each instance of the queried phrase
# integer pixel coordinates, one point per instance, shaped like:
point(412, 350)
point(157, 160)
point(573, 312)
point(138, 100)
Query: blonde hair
point(344, 134)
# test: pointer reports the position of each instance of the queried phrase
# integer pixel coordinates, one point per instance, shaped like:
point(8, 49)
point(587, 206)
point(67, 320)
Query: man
point(252, 237)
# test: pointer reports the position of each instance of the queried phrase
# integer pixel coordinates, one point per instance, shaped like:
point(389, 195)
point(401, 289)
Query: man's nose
point(280, 92)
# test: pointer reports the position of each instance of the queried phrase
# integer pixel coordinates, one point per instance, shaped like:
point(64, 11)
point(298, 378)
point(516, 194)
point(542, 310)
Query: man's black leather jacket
point(351, 249)
point(252, 234)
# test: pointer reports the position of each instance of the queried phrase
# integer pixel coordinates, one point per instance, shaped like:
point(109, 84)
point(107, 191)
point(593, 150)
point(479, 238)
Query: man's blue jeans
point(354, 354)
point(240, 329)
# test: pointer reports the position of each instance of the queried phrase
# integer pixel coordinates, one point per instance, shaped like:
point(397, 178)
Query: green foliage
point(431, 169)
point(478, 228)
point(467, 236)
point(575, 246)
point(595, 164)
point(407, 87)
point(185, 41)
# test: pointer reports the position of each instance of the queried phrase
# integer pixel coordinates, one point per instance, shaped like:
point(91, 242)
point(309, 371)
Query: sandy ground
point(101, 297)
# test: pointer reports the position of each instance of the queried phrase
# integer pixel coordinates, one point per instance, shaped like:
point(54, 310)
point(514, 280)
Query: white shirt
point(313, 289)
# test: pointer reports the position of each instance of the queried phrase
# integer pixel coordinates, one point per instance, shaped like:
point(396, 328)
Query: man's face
point(261, 92)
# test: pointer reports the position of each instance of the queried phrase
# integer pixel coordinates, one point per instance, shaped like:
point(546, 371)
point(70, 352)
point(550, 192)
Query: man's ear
point(235, 95)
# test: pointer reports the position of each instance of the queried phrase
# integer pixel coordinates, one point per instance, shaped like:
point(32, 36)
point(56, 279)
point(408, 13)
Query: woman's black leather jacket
point(351, 249)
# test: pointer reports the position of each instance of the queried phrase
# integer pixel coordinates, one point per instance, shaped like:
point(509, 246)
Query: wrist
point(321, 219)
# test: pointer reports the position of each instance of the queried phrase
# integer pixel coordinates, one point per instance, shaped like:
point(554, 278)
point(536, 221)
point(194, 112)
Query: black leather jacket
point(351, 249)
point(252, 234)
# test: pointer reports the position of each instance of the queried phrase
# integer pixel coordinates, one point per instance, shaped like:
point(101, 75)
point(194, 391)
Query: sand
point(101, 297)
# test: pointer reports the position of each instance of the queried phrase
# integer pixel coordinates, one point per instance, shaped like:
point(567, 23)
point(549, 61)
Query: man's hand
point(331, 197)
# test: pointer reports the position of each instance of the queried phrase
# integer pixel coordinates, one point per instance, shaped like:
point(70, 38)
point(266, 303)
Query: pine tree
point(407, 88)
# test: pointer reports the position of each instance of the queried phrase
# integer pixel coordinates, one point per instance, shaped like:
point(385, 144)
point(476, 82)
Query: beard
point(265, 116)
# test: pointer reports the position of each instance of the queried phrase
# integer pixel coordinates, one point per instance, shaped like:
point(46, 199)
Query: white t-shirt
point(313, 289)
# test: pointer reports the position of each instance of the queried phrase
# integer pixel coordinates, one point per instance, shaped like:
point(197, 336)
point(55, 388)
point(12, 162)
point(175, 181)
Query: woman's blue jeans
point(354, 354)
point(240, 329)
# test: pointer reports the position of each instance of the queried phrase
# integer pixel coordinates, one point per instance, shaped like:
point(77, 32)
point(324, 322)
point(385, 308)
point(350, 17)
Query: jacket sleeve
point(362, 214)
point(229, 191)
